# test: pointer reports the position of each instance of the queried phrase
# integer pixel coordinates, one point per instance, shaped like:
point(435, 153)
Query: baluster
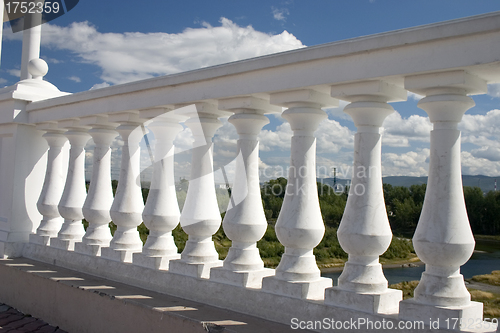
point(365, 232)
point(100, 195)
point(245, 222)
point(161, 213)
point(128, 205)
point(53, 185)
point(300, 226)
point(200, 217)
point(443, 239)
point(73, 197)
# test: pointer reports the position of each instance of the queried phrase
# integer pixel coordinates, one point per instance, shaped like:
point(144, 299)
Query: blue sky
point(101, 43)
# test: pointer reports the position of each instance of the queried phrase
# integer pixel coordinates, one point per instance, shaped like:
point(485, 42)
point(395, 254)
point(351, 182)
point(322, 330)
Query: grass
point(493, 278)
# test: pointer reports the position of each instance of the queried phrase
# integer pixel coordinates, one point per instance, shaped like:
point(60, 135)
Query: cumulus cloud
point(131, 56)
point(412, 163)
point(398, 132)
point(475, 165)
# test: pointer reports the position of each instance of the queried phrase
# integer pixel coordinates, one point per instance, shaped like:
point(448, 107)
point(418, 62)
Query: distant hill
point(485, 183)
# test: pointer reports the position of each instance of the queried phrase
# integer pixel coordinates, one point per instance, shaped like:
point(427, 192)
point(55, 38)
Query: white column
point(127, 207)
point(300, 226)
point(52, 189)
point(365, 232)
point(443, 239)
point(74, 194)
point(161, 213)
point(100, 194)
point(200, 217)
point(245, 222)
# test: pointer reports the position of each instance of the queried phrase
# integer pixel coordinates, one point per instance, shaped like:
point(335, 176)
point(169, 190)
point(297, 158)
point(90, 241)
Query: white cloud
point(14, 72)
point(3, 81)
point(472, 165)
point(398, 132)
point(490, 153)
point(481, 125)
point(75, 79)
point(100, 85)
point(494, 90)
point(331, 137)
point(414, 96)
point(280, 13)
point(131, 56)
point(412, 163)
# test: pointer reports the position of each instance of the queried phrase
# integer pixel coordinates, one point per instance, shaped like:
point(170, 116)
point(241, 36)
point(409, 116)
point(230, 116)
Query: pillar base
point(63, 244)
point(90, 250)
point(40, 240)
point(117, 255)
point(386, 302)
point(156, 262)
point(303, 290)
point(11, 250)
point(198, 270)
point(250, 279)
point(443, 317)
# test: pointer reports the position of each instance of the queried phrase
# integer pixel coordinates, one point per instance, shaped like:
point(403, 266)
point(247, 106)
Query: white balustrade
point(245, 222)
point(364, 232)
point(74, 194)
point(161, 213)
point(128, 204)
point(200, 217)
point(443, 239)
point(53, 186)
point(100, 194)
point(300, 225)
point(367, 72)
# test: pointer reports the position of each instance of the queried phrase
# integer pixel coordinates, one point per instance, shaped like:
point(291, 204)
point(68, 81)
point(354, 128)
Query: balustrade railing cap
point(248, 102)
point(378, 88)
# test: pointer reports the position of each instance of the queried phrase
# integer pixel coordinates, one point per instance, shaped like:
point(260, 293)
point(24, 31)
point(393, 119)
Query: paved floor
point(13, 321)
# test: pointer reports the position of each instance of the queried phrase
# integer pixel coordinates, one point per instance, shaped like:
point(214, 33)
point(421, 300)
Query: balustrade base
point(40, 240)
point(445, 317)
point(90, 250)
point(314, 290)
point(117, 255)
point(198, 270)
point(143, 260)
point(384, 303)
point(63, 244)
point(251, 279)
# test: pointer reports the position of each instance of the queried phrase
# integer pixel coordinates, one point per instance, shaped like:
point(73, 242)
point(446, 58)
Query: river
point(482, 262)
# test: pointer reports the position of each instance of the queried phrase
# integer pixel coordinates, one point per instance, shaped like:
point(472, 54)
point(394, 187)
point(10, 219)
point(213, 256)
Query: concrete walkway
point(13, 321)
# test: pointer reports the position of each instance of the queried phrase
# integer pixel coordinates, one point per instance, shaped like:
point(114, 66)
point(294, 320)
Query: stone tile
point(20, 323)
point(33, 326)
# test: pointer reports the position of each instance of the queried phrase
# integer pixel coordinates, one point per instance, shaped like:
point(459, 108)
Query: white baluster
point(128, 205)
point(365, 232)
point(443, 239)
point(161, 213)
point(100, 195)
point(245, 222)
point(74, 195)
point(53, 186)
point(200, 217)
point(300, 226)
